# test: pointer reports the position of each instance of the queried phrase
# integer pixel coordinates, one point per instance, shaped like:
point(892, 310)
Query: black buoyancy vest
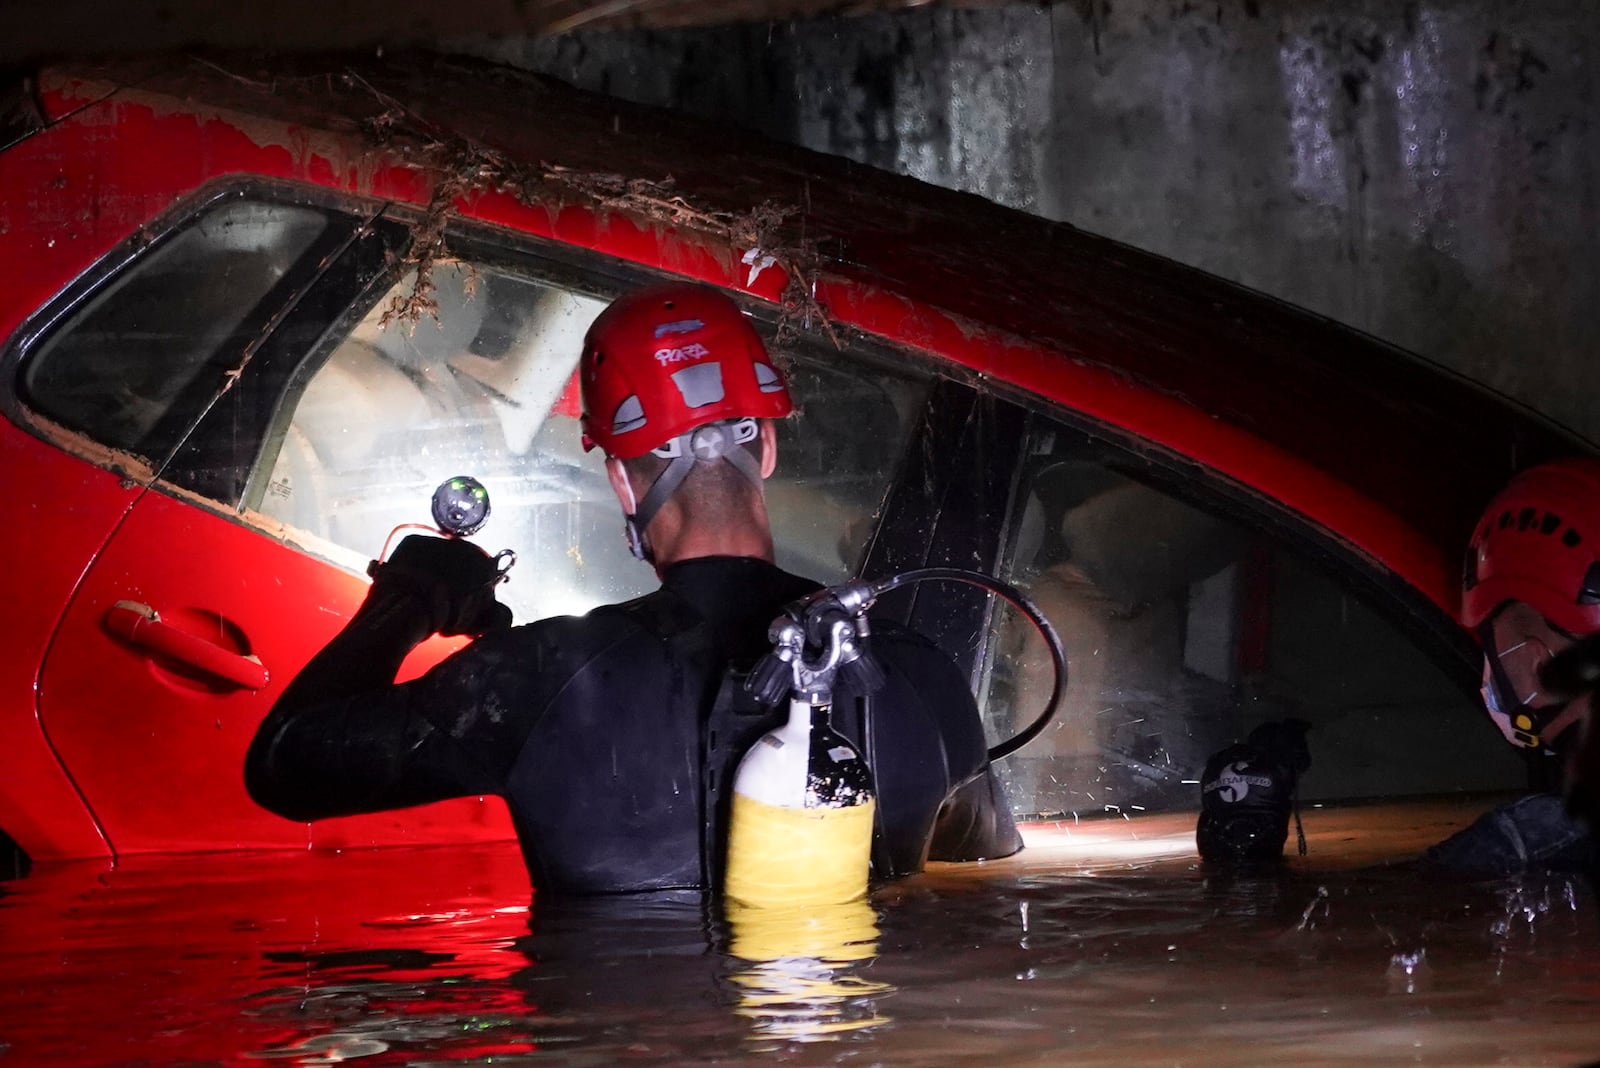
point(624, 784)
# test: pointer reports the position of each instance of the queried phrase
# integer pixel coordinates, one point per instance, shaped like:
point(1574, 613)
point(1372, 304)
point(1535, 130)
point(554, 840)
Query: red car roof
point(1097, 325)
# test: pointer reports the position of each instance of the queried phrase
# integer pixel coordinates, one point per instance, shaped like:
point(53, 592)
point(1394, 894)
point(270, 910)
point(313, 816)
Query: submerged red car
point(255, 313)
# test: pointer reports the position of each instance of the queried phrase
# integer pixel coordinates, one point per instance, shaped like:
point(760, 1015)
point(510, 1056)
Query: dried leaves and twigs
point(761, 228)
point(461, 168)
point(427, 248)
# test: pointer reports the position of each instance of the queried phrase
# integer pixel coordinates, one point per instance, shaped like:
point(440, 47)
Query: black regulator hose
point(1014, 597)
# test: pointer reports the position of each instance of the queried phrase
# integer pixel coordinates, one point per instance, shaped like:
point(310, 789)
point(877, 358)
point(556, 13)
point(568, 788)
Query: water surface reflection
point(1070, 954)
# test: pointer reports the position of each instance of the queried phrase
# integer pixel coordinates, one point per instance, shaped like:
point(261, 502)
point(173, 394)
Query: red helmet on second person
point(663, 360)
point(1539, 542)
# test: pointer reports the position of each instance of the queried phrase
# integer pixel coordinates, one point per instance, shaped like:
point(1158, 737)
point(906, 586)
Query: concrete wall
point(1428, 172)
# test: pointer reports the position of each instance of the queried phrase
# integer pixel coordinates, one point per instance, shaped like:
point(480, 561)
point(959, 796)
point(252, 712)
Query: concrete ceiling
point(33, 30)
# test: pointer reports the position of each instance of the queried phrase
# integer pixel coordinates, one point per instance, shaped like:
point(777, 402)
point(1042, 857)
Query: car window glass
point(1184, 630)
point(484, 386)
point(837, 456)
point(117, 365)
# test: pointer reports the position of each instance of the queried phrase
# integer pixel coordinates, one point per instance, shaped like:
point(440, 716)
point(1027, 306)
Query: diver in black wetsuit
point(593, 728)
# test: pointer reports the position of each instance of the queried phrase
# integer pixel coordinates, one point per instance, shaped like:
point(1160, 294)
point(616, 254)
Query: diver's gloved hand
point(453, 579)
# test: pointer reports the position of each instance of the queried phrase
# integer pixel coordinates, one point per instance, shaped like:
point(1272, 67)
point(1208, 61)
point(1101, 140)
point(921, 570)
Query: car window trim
point(268, 423)
point(235, 423)
point(256, 331)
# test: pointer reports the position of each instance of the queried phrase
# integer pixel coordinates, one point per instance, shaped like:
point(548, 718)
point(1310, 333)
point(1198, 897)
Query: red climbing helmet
point(1539, 542)
point(663, 360)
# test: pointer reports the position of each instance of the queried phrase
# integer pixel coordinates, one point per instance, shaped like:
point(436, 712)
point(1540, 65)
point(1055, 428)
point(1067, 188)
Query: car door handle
point(142, 626)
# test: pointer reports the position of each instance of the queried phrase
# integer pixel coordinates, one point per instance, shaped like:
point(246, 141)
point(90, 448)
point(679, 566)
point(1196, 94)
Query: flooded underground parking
point(1103, 943)
point(778, 532)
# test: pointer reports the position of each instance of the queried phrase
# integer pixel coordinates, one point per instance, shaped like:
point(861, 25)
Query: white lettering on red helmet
point(692, 351)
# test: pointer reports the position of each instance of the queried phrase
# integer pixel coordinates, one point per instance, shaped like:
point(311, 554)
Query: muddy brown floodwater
point(1104, 944)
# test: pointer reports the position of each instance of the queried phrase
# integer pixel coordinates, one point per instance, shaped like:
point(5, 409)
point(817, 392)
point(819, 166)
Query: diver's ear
point(769, 448)
point(621, 485)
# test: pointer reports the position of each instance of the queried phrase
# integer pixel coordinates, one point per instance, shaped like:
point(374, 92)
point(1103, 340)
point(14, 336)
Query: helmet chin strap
point(1523, 725)
point(632, 529)
point(705, 444)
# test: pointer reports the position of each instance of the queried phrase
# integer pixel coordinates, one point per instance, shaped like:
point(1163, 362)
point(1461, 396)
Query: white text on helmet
point(692, 351)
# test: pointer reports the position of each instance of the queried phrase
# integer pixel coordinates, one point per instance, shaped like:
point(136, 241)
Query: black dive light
point(460, 508)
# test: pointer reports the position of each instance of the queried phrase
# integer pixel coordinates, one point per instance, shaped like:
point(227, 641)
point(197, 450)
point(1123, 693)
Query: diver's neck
point(675, 537)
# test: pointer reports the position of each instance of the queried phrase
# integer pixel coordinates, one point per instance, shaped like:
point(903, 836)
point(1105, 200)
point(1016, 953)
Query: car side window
point(475, 385)
point(482, 383)
point(1185, 626)
point(120, 364)
point(837, 455)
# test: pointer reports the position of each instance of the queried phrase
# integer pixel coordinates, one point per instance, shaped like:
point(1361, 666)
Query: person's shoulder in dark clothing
point(1531, 834)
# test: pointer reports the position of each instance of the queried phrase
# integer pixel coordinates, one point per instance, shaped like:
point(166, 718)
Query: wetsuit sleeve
point(345, 739)
point(973, 820)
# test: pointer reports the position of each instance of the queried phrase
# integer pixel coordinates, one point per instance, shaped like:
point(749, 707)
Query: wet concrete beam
point(1427, 172)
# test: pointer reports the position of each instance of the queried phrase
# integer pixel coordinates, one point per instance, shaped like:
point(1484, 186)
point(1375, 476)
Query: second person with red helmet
point(1531, 591)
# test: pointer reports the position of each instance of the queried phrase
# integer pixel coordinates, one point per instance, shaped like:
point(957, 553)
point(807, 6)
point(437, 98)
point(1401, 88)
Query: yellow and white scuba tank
point(801, 822)
point(800, 830)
